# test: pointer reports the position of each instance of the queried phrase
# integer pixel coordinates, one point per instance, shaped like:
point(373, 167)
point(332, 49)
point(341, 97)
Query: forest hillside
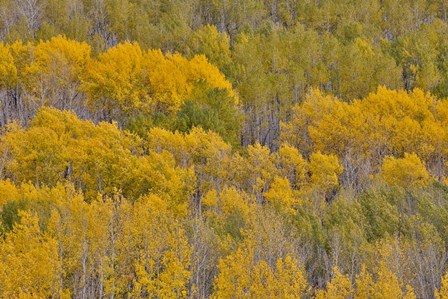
point(224, 149)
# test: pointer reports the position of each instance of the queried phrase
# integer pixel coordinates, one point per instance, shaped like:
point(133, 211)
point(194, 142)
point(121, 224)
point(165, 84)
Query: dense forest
point(224, 149)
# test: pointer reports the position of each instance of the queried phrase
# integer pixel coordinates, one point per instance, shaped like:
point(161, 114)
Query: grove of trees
point(224, 149)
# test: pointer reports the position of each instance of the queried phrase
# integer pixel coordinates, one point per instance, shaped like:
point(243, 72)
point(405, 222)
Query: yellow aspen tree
point(290, 279)
point(293, 166)
point(30, 151)
point(54, 75)
point(153, 247)
point(259, 170)
point(136, 81)
point(199, 69)
point(325, 171)
point(115, 79)
point(227, 212)
point(388, 285)
point(8, 69)
point(242, 276)
point(30, 264)
point(405, 172)
point(82, 232)
point(365, 286)
point(281, 196)
point(442, 293)
point(168, 81)
point(159, 140)
point(263, 282)
point(315, 107)
point(384, 285)
point(339, 287)
point(8, 192)
point(234, 279)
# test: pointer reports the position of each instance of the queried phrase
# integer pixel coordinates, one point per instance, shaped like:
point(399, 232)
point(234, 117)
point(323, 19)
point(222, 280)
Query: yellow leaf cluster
point(406, 172)
point(30, 264)
point(131, 79)
point(242, 276)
